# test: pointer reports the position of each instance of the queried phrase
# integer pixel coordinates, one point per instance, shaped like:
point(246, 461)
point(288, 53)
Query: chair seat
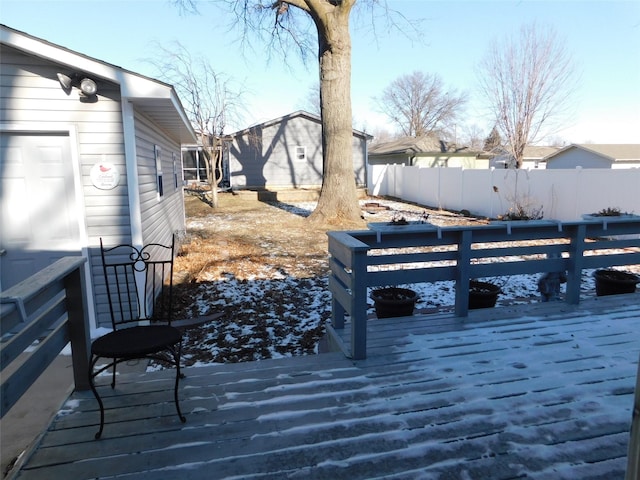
point(135, 341)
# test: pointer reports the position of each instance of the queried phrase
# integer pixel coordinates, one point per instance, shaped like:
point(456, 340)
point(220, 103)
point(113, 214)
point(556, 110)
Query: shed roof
point(619, 152)
point(156, 99)
point(531, 152)
point(408, 145)
point(538, 151)
point(428, 144)
point(298, 113)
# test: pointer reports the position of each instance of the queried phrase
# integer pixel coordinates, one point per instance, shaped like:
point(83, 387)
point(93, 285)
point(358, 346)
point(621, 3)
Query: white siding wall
point(161, 217)
point(33, 99)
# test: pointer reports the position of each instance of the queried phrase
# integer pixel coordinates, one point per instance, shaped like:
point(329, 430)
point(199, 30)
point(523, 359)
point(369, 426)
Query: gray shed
point(77, 165)
point(286, 152)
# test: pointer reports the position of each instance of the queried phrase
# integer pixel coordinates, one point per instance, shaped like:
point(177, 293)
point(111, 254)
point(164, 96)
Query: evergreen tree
point(493, 140)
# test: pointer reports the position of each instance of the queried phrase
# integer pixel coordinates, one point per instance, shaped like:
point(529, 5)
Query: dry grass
point(244, 236)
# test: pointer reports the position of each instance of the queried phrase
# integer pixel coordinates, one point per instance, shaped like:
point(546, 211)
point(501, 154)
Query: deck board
point(543, 392)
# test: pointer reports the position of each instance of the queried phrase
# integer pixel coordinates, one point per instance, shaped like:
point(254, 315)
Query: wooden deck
point(542, 391)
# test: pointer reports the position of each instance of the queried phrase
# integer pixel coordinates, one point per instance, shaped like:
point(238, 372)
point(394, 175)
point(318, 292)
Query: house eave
point(299, 113)
point(156, 99)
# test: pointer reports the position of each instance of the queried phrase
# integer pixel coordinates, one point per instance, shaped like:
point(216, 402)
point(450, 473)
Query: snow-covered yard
point(272, 313)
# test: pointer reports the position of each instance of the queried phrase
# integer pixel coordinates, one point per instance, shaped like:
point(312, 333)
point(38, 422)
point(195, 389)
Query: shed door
point(39, 221)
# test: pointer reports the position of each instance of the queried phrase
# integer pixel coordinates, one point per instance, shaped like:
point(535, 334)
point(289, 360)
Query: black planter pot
point(482, 294)
point(394, 302)
point(614, 282)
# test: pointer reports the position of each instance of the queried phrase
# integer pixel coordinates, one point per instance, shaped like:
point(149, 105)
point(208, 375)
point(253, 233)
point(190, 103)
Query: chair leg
point(177, 354)
point(92, 364)
point(113, 378)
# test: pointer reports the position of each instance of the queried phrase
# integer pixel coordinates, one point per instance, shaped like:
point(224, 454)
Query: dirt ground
point(246, 236)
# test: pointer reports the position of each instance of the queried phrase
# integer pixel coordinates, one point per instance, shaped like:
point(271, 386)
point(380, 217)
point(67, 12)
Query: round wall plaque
point(105, 176)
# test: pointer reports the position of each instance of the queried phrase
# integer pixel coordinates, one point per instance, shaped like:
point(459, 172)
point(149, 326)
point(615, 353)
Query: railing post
point(359, 305)
point(78, 327)
point(337, 313)
point(462, 274)
point(576, 260)
point(633, 457)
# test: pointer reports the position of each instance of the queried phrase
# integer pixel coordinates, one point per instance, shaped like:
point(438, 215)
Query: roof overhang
point(299, 113)
point(153, 98)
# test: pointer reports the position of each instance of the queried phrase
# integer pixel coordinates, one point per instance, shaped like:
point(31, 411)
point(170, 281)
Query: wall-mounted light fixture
point(88, 87)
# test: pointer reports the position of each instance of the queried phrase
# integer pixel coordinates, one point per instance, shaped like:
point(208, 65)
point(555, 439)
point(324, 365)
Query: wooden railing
point(47, 308)
point(417, 253)
point(633, 456)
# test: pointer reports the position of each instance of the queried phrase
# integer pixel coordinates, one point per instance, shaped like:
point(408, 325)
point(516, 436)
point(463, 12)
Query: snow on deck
point(530, 391)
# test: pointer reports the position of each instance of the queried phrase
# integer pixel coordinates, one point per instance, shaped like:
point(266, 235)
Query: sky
point(603, 38)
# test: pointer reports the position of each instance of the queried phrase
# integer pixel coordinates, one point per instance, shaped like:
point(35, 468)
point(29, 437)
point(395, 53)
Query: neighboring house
point(596, 156)
point(534, 156)
point(286, 152)
point(426, 151)
point(80, 165)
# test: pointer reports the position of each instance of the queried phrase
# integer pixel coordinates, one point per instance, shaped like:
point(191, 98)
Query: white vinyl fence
point(562, 194)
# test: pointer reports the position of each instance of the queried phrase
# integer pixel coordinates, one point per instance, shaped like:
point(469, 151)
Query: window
point(301, 154)
point(176, 179)
point(194, 167)
point(158, 155)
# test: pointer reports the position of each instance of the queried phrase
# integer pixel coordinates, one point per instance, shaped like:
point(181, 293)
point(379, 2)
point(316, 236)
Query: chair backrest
point(139, 282)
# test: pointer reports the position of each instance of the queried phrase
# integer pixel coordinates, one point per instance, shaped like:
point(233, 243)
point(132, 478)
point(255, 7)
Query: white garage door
point(39, 221)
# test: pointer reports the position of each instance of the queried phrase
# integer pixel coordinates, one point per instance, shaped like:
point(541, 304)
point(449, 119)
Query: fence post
point(78, 326)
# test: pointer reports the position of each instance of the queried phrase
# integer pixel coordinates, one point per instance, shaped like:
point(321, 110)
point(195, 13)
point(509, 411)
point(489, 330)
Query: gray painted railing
point(417, 253)
point(48, 307)
point(633, 456)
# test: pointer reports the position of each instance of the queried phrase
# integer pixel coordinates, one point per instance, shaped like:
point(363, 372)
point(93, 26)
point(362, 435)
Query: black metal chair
point(139, 290)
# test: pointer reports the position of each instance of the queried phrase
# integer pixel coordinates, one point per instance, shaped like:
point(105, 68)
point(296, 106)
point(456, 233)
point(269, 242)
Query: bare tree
point(527, 81)
point(209, 100)
point(297, 26)
point(419, 104)
point(311, 102)
point(471, 136)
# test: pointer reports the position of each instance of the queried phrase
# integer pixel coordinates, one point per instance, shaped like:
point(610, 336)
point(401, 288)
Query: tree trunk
point(210, 163)
point(215, 180)
point(214, 193)
point(338, 202)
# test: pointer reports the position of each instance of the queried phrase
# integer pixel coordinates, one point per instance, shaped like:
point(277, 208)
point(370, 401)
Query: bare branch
point(419, 105)
point(208, 97)
point(527, 82)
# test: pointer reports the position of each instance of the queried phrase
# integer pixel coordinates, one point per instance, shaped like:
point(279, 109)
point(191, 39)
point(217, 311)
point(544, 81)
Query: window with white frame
point(301, 153)
point(159, 184)
point(176, 172)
